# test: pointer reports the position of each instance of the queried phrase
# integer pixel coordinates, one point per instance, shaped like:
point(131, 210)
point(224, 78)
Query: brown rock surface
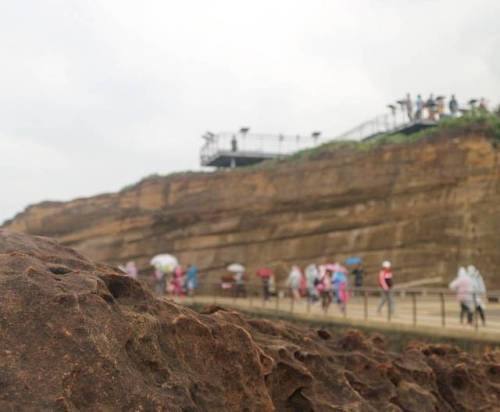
point(428, 206)
point(79, 336)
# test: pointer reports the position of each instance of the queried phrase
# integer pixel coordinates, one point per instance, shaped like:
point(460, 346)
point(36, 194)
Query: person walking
point(478, 293)
point(462, 285)
point(160, 281)
point(265, 274)
point(293, 282)
point(385, 282)
point(192, 279)
point(340, 286)
point(324, 288)
point(358, 273)
point(239, 283)
point(312, 277)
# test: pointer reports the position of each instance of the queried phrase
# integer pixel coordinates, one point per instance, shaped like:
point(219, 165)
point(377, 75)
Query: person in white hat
point(386, 283)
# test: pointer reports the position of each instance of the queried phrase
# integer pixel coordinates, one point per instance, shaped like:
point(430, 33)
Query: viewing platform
point(235, 149)
point(243, 149)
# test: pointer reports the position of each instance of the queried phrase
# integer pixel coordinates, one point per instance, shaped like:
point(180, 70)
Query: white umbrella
point(236, 268)
point(165, 262)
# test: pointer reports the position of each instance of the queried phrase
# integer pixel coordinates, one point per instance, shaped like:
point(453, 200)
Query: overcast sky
point(98, 94)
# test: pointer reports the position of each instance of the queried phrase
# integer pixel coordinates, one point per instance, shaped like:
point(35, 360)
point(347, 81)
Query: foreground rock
point(79, 336)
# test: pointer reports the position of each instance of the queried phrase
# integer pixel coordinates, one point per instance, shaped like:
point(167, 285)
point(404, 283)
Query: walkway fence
point(422, 307)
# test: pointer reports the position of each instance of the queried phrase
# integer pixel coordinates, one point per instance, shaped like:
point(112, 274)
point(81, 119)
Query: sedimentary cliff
point(428, 206)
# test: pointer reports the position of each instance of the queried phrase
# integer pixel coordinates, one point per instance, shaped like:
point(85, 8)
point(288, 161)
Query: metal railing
point(416, 307)
point(275, 145)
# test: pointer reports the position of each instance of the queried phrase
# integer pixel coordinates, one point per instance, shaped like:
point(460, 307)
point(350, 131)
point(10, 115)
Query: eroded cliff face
point(427, 206)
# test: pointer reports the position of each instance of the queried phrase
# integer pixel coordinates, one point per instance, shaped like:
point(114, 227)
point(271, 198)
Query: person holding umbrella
point(357, 271)
point(265, 274)
point(238, 271)
point(164, 264)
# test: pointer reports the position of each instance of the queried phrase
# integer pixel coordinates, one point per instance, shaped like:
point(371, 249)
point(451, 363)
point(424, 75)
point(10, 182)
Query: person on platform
point(385, 281)
point(453, 106)
point(462, 285)
point(419, 104)
point(431, 106)
point(409, 107)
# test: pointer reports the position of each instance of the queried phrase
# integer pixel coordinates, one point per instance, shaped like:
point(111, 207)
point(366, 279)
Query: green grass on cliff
point(486, 123)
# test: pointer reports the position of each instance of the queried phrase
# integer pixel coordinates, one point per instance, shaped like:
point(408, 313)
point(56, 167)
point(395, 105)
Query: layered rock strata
point(428, 206)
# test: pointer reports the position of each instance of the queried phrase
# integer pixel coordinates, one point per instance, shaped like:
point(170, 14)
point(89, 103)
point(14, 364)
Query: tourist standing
point(419, 107)
point(462, 285)
point(385, 282)
point(431, 107)
point(409, 107)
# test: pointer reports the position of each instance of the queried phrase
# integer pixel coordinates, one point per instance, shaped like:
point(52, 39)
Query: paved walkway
point(425, 316)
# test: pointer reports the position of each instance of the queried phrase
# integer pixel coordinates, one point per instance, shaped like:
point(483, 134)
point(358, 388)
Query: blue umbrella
point(353, 260)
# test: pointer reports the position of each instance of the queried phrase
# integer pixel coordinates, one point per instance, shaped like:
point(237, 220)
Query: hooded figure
point(478, 292)
point(462, 285)
point(293, 281)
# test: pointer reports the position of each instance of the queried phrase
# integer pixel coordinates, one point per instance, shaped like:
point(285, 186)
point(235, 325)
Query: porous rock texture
point(428, 206)
point(79, 336)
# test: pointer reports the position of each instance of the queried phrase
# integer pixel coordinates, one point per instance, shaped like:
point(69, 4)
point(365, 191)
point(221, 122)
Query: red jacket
point(385, 279)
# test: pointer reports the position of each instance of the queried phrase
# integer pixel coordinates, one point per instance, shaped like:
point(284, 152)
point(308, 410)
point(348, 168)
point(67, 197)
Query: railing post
point(277, 300)
point(414, 306)
point(365, 304)
point(443, 310)
point(291, 305)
